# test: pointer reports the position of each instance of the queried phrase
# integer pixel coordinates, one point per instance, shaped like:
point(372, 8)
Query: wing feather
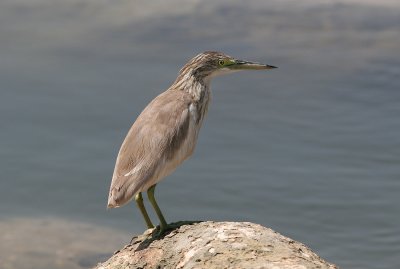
point(155, 135)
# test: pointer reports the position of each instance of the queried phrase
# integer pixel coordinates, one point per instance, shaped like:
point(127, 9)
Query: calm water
point(311, 149)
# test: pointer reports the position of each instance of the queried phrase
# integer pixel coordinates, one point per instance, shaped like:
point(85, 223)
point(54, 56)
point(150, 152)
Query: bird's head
point(211, 63)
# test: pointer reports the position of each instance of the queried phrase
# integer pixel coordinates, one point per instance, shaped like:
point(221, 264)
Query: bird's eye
point(221, 62)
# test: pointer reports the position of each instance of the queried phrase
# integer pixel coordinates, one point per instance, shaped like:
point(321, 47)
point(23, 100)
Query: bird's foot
point(148, 234)
point(162, 230)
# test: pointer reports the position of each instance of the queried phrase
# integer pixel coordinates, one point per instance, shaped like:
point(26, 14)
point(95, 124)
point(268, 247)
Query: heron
point(165, 133)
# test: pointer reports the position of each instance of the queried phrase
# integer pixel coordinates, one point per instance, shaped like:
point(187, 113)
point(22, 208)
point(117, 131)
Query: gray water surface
point(311, 149)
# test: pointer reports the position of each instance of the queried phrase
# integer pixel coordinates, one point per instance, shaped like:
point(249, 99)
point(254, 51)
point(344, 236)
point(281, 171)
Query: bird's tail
point(112, 199)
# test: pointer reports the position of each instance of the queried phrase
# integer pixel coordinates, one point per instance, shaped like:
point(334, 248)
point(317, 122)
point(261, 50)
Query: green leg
point(163, 223)
point(139, 202)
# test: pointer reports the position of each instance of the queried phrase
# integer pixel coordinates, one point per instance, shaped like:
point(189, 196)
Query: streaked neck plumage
point(194, 84)
point(198, 87)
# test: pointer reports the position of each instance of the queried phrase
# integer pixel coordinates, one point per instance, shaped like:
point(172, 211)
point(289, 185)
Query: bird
point(165, 134)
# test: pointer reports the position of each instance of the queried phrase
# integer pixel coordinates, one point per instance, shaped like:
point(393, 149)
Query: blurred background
point(311, 149)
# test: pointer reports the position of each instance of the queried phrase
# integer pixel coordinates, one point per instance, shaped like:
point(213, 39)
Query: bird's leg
point(163, 223)
point(139, 202)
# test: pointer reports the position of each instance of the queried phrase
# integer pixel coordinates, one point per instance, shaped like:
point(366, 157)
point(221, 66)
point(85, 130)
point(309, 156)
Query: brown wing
point(158, 130)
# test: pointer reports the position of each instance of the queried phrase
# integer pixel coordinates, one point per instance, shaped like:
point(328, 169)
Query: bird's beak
point(245, 65)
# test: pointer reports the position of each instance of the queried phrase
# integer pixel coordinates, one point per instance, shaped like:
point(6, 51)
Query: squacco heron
point(165, 133)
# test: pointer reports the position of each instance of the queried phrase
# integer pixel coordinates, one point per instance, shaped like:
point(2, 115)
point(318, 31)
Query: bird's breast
point(188, 145)
point(192, 133)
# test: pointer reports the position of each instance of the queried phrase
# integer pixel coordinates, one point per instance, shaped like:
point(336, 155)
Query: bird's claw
point(161, 230)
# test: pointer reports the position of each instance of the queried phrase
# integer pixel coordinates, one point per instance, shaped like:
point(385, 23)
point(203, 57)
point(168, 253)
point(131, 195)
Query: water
point(311, 149)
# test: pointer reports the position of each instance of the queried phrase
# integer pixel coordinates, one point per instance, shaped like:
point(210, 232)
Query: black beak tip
point(271, 66)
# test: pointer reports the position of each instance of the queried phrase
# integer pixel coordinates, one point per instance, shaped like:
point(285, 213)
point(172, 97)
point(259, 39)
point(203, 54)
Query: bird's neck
point(198, 88)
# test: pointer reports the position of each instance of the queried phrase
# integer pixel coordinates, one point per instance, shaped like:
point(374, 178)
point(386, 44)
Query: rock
point(215, 245)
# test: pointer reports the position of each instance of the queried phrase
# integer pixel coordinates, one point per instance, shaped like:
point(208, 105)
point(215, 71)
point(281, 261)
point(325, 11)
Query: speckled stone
point(216, 245)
